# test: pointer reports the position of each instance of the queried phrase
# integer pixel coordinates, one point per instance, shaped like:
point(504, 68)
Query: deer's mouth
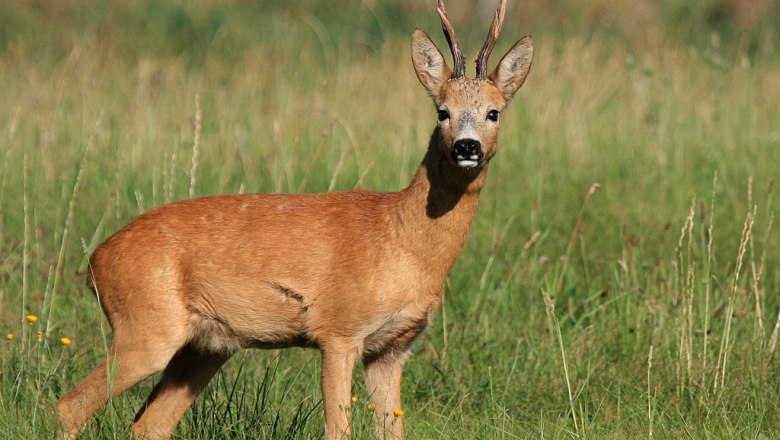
point(470, 159)
point(467, 163)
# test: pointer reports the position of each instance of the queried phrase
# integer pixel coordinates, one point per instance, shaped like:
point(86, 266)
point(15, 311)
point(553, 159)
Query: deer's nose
point(467, 152)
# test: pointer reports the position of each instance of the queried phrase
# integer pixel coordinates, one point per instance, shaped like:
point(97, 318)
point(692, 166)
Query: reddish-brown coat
point(357, 274)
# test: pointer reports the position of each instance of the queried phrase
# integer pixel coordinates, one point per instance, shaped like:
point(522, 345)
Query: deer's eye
point(444, 115)
point(493, 115)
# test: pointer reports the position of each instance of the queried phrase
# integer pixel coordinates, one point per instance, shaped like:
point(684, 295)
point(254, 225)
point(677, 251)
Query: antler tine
point(459, 61)
point(490, 42)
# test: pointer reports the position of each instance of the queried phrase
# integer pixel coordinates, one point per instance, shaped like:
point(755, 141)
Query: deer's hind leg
point(128, 363)
point(185, 376)
point(145, 339)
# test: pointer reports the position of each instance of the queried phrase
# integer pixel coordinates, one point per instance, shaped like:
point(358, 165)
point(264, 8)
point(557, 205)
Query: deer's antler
point(459, 61)
point(495, 29)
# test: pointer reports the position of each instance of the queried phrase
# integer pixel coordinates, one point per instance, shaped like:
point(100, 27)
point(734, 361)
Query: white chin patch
point(464, 163)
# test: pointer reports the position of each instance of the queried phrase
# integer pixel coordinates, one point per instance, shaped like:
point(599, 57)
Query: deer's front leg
point(337, 365)
point(383, 383)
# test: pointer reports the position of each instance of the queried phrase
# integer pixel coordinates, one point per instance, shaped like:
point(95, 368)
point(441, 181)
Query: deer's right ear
point(429, 64)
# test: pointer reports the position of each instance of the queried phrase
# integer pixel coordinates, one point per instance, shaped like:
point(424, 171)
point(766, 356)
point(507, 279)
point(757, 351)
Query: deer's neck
point(436, 210)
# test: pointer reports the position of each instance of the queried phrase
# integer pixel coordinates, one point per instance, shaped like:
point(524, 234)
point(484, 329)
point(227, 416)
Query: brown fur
point(356, 274)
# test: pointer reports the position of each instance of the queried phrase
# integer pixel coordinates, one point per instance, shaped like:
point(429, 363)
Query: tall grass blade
point(550, 307)
point(195, 147)
point(64, 243)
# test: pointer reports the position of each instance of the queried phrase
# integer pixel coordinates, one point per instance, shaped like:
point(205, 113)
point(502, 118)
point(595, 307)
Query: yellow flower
point(398, 412)
point(9, 337)
point(31, 318)
point(354, 399)
point(371, 407)
point(65, 341)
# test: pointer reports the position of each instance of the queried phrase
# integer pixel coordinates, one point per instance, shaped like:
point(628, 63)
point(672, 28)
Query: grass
point(645, 308)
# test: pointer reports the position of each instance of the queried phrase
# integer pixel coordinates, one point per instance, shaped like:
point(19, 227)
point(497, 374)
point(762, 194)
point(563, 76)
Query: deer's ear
point(429, 64)
point(513, 68)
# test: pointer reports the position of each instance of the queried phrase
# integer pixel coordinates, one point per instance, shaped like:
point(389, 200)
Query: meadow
point(622, 276)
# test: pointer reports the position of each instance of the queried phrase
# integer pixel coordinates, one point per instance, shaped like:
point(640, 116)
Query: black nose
point(467, 149)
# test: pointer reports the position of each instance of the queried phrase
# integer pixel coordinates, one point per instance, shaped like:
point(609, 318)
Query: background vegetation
point(621, 279)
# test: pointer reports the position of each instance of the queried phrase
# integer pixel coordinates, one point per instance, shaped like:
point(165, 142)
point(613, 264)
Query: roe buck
point(356, 274)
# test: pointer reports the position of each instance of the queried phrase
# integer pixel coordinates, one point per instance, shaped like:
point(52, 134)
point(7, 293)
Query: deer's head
point(469, 109)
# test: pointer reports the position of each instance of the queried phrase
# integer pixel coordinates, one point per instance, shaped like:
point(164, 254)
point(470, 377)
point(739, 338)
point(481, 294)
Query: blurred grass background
point(663, 283)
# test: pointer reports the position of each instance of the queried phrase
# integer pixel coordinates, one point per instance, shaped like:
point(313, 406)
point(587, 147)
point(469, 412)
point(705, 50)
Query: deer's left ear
point(513, 68)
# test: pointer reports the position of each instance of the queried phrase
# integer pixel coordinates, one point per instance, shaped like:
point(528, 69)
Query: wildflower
point(371, 407)
point(9, 337)
point(40, 336)
point(398, 412)
point(354, 399)
point(31, 318)
point(65, 341)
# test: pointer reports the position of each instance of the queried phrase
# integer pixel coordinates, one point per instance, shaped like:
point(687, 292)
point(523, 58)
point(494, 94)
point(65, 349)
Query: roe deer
point(356, 274)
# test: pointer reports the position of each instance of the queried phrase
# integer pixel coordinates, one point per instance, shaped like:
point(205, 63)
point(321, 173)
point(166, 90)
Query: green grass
point(664, 282)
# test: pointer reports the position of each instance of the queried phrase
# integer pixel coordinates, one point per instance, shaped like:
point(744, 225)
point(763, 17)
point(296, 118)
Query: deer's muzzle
point(467, 152)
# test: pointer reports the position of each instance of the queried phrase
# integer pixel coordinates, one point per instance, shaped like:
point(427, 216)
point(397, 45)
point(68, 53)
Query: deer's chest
point(398, 332)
